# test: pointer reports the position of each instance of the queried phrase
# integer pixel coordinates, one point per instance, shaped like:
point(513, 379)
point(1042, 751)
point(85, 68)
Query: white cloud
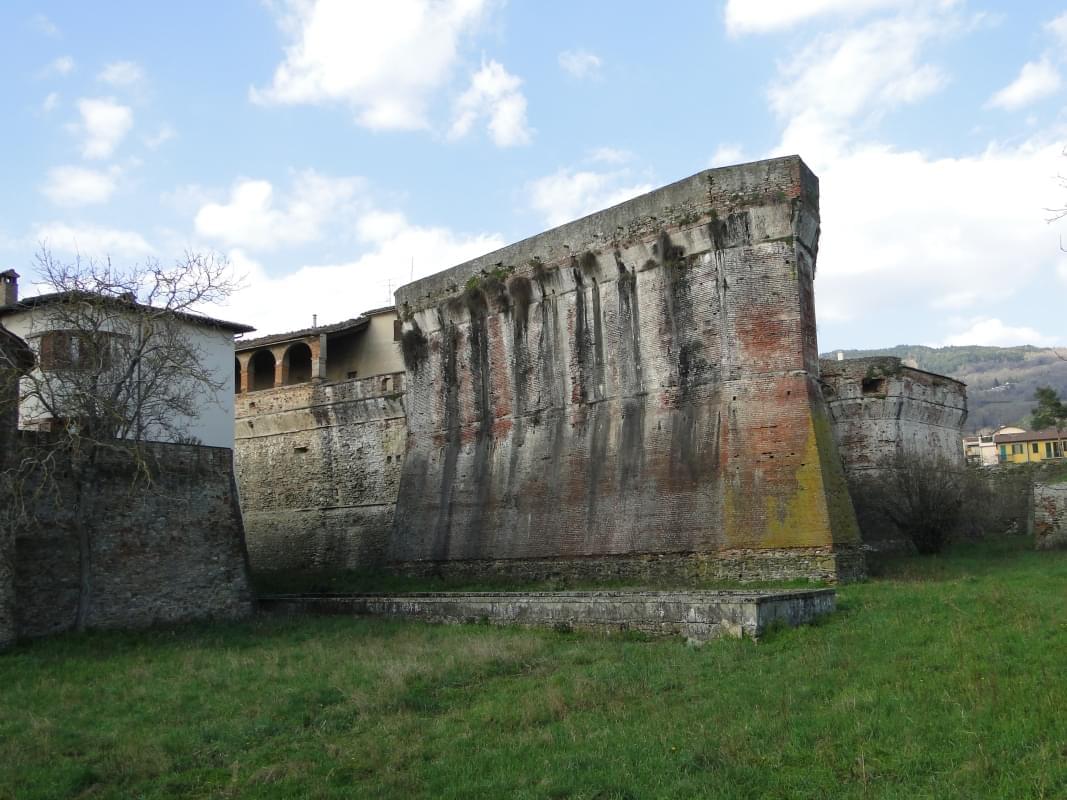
point(255, 219)
point(383, 59)
point(164, 134)
point(397, 252)
point(566, 195)
point(991, 332)
point(726, 154)
point(1058, 28)
point(104, 125)
point(79, 186)
point(62, 66)
point(909, 232)
point(580, 63)
point(92, 241)
point(610, 155)
point(42, 24)
point(50, 102)
point(1036, 80)
point(121, 73)
point(762, 16)
point(855, 74)
point(494, 94)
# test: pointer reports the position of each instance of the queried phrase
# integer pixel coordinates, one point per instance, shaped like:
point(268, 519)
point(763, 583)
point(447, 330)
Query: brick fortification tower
point(631, 394)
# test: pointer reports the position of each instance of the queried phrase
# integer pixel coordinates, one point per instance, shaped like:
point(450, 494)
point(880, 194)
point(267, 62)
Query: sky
point(333, 150)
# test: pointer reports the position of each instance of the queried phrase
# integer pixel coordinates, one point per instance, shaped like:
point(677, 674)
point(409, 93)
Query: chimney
point(9, 288)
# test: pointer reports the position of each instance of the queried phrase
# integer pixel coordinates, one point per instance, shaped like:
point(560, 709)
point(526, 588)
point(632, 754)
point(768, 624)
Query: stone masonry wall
point(882, 410)
point(318, 466)
point(12, 351)
point(641, 382)
point(169, 552)
point(1050, 516)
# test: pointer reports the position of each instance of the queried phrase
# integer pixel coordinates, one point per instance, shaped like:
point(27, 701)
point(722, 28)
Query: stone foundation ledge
point(699, 616)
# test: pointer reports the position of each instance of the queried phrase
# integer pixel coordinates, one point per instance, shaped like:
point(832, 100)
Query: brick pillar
point(244, 358)
point(318, 359)
point(281, 369)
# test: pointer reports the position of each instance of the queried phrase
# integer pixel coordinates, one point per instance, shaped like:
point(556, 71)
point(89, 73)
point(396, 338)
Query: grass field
point(941, 677)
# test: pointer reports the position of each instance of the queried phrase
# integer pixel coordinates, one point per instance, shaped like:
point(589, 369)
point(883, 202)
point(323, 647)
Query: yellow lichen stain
point(815, 513)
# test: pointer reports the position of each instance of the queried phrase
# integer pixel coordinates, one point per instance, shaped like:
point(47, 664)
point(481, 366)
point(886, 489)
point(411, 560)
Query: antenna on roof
point(412, 276)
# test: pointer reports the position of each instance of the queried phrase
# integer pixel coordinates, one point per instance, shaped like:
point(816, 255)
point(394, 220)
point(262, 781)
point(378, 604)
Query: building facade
point(320, 438)
point(1030, 447)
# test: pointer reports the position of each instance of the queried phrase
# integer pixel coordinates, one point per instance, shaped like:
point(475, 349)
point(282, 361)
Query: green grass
point(942, 677)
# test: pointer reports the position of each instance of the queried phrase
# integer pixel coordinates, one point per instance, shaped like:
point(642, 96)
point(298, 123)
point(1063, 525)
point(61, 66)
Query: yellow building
point(1031, 446)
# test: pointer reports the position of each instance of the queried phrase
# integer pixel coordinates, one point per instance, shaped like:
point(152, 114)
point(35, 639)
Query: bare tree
point(118, 365)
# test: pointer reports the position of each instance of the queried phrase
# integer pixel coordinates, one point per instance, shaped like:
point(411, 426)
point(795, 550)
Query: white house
point(43, 322)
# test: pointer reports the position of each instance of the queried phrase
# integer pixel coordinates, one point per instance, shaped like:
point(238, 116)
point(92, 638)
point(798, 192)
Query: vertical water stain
point(481, 381)
point(630, 367)
point(450, 389)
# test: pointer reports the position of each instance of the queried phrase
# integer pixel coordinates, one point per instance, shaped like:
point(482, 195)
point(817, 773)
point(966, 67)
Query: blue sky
point(333, 149)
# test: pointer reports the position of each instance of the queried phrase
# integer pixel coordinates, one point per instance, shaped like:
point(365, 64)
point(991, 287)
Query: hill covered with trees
point(1001, 381)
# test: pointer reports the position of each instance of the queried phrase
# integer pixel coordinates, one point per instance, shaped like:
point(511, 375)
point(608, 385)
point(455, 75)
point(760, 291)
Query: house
point(1031, 447)
point(70, 342)
point(981, 451)
point(356, 348)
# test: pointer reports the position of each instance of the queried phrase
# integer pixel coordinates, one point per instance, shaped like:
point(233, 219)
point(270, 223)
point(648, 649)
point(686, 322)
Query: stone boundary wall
point(698, 616)
point(640, 382)
point(1049, 521)
point(15, 359)
point(165, 553)
point(318, 467)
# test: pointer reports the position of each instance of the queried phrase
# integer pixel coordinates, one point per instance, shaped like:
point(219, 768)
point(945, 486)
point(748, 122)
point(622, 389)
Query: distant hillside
point(1000, 380)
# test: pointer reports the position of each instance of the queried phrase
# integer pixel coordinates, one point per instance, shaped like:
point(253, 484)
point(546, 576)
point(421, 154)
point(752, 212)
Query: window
point(76, 350)
point(1017, 450)
point(872, 386)
point(1034, 447)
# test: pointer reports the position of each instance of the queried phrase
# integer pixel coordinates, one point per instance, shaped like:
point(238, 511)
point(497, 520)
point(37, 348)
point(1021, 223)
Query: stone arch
point(296, 364)
point(261, 370)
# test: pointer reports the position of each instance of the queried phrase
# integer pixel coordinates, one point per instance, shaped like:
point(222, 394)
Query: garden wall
point(169, 551)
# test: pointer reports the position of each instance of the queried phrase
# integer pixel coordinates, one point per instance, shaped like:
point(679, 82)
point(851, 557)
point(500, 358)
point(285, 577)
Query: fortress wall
point(883, 412)
point(318, 466)
point(881, 409)
point(634, 386)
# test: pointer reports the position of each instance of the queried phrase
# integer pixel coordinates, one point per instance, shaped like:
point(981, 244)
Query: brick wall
point(643, 381)
point(1050, 516)
point(12, 352)
point(169, 552)
point(318, 466)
